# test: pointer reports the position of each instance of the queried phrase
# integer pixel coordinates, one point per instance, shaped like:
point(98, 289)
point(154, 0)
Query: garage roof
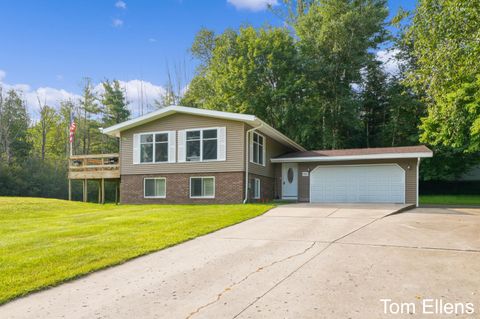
point(356, 154)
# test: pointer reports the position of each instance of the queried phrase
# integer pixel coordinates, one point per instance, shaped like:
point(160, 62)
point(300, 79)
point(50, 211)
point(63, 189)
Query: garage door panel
point(358, 183)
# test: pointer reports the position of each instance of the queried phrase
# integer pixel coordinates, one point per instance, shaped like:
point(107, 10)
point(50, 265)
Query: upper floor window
point(258, 149)
point(154, 147)
point(202, 145)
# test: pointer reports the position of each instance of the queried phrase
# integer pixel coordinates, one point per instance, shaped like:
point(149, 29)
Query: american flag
point(73, 127)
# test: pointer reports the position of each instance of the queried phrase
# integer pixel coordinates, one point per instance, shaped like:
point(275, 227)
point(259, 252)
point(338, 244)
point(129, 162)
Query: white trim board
point(350, 157)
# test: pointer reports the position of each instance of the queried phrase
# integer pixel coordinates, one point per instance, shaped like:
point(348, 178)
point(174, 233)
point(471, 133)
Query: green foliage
point(115, 104)
point(252, 71)
point(335, 41)
point(14, 123)
point(72, 239)
point(444, 37)
point(33, 158)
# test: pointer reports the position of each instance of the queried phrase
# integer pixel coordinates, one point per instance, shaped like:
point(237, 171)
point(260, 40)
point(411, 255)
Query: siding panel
point(273, 149)
point(235, 144)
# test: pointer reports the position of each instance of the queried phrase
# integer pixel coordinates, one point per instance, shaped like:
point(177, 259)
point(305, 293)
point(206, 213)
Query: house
point(189, 155)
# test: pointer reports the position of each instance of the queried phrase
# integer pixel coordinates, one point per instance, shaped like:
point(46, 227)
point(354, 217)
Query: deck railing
point(94, 166)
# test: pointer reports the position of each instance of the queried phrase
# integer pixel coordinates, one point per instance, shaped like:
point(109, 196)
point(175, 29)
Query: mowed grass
point(44, 242)
point(450, 199)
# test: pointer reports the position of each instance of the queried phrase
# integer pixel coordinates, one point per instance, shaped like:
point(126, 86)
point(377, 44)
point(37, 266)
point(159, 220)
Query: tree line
point(317, 79)
point(33, 154)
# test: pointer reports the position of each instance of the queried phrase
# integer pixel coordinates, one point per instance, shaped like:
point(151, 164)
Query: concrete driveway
point(296, 261)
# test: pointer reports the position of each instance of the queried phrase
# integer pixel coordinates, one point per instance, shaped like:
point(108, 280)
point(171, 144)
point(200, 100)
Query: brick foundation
point(267, 188)
point(229, 189)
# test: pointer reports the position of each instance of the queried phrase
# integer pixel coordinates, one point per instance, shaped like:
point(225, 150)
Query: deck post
point(103, 191)
point(99, 191)
point(85, 190)
point(69, 189)
point(116, 192)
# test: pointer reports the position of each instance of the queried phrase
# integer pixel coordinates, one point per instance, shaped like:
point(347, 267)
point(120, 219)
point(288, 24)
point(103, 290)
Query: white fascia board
point(351, 157)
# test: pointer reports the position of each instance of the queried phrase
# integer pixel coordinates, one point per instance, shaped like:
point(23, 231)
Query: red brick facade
point(229, 189)
point(267, 188)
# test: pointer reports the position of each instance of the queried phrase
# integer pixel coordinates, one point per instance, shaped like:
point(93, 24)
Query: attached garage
point(368, 175)
point(375, 183)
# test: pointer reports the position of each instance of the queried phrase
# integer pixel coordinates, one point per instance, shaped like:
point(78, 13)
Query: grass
point(450, 199)
point(44, 242)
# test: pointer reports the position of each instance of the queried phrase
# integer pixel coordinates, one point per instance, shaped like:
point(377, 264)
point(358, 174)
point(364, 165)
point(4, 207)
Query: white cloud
point(253, 5)
point(121, 4)
point(390, 62)
point(3, 74)
point(117, 22)
point(152, 40)
point(139, 94)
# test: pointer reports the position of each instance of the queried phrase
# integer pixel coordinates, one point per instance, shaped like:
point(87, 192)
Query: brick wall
point(229, 189)
point(267, 188)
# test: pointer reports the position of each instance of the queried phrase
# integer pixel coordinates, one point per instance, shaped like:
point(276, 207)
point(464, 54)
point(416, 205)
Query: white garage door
point(383, 183)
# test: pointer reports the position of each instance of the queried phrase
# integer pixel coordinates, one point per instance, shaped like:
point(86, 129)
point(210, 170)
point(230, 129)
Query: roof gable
point(169, 110)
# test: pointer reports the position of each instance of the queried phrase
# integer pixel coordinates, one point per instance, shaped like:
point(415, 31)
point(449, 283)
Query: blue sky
point(49, 46)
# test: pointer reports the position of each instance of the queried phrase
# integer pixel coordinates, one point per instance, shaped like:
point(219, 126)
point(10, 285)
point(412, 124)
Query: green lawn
point(450, 199)
point(46, 241)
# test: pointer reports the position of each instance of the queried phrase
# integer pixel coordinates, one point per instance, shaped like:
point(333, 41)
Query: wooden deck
point(95, 166)
point(99, 167)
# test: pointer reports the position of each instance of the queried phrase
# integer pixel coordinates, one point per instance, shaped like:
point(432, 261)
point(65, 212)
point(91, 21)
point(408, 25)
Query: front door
point(289, 180)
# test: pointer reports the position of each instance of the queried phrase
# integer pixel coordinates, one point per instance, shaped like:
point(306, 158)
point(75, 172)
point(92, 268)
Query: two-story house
point(189, 155)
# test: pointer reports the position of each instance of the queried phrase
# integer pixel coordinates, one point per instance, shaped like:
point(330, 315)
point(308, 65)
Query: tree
point(374, 108)
point(249, 71)
point(14, 123)
point(88, 107)
point(336, 38)
point(114, 102)
point(44, 126)
point(444, 39)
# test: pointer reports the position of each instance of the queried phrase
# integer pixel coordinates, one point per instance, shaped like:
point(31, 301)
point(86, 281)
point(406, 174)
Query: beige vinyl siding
point(234, 146)
point(410, 176)
point(273, 149)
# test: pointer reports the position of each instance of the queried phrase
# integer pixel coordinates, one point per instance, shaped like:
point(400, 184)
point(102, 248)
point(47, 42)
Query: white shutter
point(181, 146)
point(171, 147)
point(136, 148)
point(222, 144)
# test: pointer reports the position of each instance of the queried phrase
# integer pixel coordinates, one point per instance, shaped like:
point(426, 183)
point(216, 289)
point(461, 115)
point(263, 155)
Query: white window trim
point(153, 157)
point(264, 148)
point(201, 145)
point(144, 188)
point(202, 177)
point(255, 189)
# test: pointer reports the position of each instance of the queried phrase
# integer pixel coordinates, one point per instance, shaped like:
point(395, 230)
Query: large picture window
point(154, 188)
point(201, 145)
point(202, 187)
point(153, 147)
point(258, 149)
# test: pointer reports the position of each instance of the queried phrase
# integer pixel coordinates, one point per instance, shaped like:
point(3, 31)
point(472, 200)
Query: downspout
point(418, 177)
point(247, 159)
